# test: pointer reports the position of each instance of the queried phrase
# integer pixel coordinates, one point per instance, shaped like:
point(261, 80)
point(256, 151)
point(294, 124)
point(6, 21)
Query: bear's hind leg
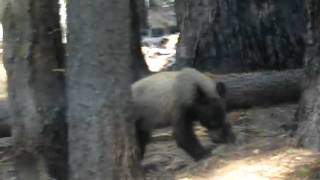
point(143, 138)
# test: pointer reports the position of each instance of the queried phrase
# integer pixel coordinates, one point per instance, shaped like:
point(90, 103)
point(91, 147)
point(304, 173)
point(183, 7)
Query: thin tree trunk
point(143, 14)
point(239, 36)
point(5, 129)
point(139, 64)
point(101, 67)
point(32, 50)
point(179, 9)
point(308, 114)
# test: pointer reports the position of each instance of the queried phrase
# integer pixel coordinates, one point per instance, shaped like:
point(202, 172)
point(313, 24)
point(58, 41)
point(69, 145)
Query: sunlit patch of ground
point(288, 163)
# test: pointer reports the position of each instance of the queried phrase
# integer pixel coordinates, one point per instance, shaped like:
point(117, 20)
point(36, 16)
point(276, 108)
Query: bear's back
point(155, 99)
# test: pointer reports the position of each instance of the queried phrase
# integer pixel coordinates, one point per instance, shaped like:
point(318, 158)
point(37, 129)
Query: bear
point(179, 99)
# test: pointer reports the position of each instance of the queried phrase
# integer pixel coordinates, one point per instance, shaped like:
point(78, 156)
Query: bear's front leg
point(187, 140)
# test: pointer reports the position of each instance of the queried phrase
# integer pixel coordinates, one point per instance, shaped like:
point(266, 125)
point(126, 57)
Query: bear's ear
point(221, 89)
point(200, 96)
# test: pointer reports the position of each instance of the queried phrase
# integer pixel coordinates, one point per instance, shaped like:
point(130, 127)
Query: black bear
point(178, 99)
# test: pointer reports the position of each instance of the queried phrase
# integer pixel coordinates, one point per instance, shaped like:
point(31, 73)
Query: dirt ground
point(264, 151)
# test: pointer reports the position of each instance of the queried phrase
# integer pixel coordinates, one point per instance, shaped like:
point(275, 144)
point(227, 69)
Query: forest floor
point(264, 151)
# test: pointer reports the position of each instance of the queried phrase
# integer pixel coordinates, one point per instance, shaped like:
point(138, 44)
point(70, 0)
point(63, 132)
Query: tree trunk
point(5, 129)
point(308, 114)
point(101, 67)
point(143, 14)
point(32, 50)
point(247, 90)
point(179, 9)
point(236, 36)
point(153, 4)
point(139, 64)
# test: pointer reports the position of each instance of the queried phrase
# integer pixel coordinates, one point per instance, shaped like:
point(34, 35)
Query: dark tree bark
point(101, 66)
point(5, 129)
point(143, 13)
point(179, 9)
point(32, 50)
point(236, 36)
point(308, 114)
point(140, 64)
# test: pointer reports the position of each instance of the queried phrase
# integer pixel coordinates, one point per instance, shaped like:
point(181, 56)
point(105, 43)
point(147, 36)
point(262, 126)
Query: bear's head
point(211, 113)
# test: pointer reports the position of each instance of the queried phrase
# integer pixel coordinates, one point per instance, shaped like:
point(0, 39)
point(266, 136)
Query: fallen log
point(244, 90)
point(267, 88)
